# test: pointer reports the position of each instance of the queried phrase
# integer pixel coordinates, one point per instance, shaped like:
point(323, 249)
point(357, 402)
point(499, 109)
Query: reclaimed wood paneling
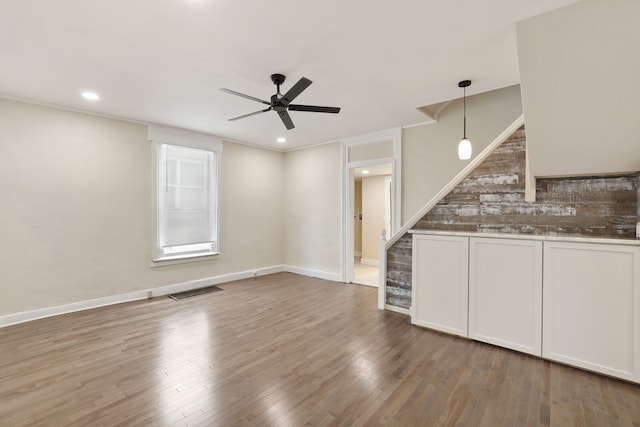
point(399, 272)
point(492, 200)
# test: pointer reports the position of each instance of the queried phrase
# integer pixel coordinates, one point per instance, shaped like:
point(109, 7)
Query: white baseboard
point(334, 277)
point(26, 316)
point(355, 282)
point(366, 261)
point(216, 280)
point(397, 309)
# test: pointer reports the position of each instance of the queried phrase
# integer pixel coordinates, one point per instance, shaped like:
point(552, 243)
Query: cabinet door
point(505, 293)
point(592, 307)
point(440, 283)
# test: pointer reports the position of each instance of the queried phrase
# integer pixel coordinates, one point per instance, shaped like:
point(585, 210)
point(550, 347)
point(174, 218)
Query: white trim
point(334, 277)
point(184, 138)
point(545, 238)
point(457, 179)
point(434, 118)
point(372, 162)
point(181, 259)
point(319, 144)
point(249, 144)
point(347, 247)
point(355, 282)
point(428, 122)
point(390, 134)
point(382, 271)
point(530, 180)
point(27, 316)
point(215, 280)
point(346, 205)
point(71, 110)
point(397, 309)
point(367, 261)
point(160, 136)
point(396, 176)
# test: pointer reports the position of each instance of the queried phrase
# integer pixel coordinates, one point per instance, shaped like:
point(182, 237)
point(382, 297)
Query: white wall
point(252, 199)
point(373, 192)
point(579, 69)
point(76, 212)
point(76, 217)
point(430, 152)
point(312, 209)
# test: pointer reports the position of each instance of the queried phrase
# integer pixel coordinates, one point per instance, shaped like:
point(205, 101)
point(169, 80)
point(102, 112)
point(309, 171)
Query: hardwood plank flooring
point(284, 350)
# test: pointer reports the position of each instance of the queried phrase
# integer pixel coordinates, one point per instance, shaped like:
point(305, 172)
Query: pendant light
point(464, 147)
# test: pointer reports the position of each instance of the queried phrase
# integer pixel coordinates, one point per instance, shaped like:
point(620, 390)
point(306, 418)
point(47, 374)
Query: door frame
point(393, 135)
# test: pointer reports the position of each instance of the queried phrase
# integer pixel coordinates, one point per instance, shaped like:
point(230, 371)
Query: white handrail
point(457, 179)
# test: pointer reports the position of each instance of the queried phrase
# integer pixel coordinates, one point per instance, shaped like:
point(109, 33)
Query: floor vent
point(194, 293)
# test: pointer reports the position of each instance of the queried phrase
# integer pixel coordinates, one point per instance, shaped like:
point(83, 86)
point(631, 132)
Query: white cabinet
point(440, 283)
point(505, 293)
point(591, 307)
point(575, 302)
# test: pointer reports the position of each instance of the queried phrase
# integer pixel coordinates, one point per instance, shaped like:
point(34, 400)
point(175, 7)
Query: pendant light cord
point(464, 114)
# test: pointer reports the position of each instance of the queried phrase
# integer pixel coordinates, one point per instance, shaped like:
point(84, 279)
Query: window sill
point(182, 259)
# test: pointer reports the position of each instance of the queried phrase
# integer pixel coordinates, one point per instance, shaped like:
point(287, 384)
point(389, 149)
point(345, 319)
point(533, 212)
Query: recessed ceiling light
point(365, 172)
point(91, 96)
point(281, 140)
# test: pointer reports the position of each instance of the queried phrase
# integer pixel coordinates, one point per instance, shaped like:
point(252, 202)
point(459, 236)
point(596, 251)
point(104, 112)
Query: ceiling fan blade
point(296, 90)
point(250, 114)
point(233, 92)
point(286, 119)
point(313, 108)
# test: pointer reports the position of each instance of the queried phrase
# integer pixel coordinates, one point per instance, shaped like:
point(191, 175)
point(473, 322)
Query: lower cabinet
point(572, 302)
point(505, 293)
point(591, 307)
point(440, 283)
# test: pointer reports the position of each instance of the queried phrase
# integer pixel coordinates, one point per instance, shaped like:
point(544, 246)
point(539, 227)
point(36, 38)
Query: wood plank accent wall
point(492, 200)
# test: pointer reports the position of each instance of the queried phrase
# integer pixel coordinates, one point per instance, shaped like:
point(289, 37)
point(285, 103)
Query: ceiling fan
point(282, 103)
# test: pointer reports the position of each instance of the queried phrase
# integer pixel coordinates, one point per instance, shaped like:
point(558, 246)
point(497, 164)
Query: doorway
point(366, 152)
point(372, 213)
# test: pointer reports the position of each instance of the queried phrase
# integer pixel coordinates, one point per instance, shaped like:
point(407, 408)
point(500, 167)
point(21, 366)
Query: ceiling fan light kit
point(464, 147)
point(281, 104)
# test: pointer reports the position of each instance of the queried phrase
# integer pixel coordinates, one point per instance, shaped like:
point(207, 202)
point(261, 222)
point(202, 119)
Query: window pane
point(186, 215)
point(192, 174)
point(183, 227)
point(193, 198)
point(171, 172)
point(170, 198)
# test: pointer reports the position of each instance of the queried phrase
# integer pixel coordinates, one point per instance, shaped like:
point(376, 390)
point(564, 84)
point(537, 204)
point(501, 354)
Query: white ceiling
point(163, 61)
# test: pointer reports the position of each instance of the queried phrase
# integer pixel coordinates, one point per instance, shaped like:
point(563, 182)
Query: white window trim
point(166, 135)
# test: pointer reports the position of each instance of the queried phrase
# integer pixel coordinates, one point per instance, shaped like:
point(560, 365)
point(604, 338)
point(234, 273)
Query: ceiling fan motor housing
point(276, 104)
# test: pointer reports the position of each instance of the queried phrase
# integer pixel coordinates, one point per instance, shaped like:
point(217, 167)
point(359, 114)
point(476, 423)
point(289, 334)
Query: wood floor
point(284, 350)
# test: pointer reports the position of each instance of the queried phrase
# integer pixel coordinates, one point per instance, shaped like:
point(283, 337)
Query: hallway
point(364, 274)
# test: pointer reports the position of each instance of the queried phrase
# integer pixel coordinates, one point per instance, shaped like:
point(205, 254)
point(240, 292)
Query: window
point(186, 208)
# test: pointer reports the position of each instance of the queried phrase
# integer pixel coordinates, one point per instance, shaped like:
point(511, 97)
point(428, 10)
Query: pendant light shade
point(464, 147)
